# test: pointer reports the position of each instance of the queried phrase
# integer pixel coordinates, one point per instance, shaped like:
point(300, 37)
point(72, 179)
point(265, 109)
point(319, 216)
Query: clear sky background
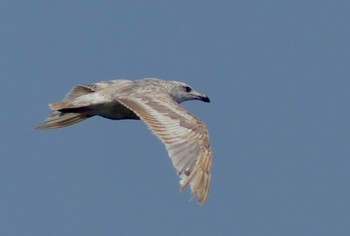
point(277, 73)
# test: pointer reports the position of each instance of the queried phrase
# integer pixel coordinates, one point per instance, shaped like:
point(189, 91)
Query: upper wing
point(84, 89)
point(184, 135)
point(83, 97)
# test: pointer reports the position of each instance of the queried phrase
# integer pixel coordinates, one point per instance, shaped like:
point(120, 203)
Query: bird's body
point(156, 102)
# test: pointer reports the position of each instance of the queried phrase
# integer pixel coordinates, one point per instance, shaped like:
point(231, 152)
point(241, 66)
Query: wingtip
point(37, 127)
point(199, 187)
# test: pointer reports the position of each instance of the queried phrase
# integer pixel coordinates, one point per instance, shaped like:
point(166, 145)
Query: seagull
point(157, 103)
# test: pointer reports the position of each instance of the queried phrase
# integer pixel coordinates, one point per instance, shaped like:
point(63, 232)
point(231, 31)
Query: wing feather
point(185, 137)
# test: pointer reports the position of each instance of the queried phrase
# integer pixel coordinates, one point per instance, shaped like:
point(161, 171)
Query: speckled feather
point(156, 102)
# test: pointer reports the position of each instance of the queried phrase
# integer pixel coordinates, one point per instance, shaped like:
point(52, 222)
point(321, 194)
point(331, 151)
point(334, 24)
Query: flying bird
point(156, 102)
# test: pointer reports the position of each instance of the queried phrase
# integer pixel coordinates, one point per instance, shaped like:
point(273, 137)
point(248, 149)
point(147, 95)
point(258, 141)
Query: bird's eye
point(187, 89)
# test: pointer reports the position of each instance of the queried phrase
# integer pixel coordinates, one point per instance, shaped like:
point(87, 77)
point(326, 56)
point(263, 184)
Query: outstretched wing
point(185, 137)
point(84, 89)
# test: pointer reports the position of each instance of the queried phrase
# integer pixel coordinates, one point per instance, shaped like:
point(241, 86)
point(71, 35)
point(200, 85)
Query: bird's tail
point(62, 117)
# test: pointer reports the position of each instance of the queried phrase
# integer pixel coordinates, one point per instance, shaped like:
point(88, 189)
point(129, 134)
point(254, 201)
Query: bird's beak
point(203, 98)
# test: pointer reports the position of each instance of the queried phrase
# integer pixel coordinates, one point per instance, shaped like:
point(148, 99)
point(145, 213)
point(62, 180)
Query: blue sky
point(277, 73)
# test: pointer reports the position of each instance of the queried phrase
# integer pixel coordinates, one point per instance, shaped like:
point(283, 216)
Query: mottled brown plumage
point(156, 102)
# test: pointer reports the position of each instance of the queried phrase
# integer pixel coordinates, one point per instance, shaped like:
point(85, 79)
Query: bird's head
point(182, 92)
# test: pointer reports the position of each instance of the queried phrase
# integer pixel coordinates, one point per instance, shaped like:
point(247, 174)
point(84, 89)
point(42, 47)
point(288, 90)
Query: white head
point(182, 92)
point(179, 91)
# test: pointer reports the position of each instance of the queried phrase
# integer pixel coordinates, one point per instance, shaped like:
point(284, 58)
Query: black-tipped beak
point(204, 98)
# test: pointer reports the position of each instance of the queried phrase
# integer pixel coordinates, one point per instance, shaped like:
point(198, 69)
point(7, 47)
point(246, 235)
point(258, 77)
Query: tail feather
point(61, 119)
